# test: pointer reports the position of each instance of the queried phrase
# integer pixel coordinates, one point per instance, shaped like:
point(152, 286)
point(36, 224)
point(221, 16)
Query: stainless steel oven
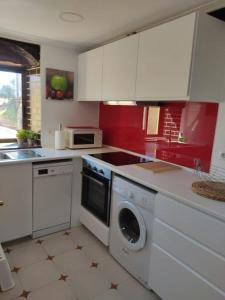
point(96, 190)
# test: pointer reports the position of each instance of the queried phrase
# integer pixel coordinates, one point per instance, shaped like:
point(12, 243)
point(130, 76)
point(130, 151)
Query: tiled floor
point(71, 265)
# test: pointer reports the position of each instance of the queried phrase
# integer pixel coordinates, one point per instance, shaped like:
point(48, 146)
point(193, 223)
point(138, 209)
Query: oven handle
point(93, 179)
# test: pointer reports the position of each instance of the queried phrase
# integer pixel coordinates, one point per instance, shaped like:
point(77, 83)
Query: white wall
point(219, 142)
point(66, 112)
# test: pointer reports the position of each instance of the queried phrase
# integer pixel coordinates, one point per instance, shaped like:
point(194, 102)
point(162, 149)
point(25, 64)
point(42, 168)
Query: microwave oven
point(78, 138)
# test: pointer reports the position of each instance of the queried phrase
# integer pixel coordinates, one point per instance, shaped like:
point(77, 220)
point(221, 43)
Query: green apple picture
point(59, 84)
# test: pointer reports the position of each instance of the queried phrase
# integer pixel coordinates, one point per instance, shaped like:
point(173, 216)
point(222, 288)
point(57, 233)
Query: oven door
point(96, 195)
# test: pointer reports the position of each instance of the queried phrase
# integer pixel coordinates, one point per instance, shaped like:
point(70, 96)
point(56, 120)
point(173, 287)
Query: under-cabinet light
point(119, 102)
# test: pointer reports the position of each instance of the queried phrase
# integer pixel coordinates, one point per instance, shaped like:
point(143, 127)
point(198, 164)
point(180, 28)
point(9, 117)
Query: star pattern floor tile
point(71, 265)
point(94, 265)
point(24, 294)
point(63, 277)
point(50, 257)
point(15, 269)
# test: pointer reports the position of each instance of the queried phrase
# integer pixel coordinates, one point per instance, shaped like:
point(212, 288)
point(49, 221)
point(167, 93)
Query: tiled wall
point(170, 121)
point(123, 127)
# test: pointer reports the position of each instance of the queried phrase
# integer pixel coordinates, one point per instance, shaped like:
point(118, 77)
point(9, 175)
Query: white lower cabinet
point(16, 194)
point(186, 264)
point(172, 280)
point(76, 192)
point(199, 226)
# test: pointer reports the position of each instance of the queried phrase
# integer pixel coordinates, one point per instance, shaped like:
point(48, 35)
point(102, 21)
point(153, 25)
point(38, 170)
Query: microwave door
point(83, 139)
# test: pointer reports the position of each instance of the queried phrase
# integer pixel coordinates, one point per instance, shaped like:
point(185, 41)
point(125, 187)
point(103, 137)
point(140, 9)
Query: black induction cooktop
point(119, 158)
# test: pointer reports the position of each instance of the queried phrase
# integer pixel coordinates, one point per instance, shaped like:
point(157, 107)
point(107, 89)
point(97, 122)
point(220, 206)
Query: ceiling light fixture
point(70, 17)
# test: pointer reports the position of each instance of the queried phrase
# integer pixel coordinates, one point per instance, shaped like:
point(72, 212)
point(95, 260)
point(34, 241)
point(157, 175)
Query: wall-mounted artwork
point(59, 84)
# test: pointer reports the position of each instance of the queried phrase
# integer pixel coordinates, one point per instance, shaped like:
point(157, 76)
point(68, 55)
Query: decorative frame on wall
point(59, 84)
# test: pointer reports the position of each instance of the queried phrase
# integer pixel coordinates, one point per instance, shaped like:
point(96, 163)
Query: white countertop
point(176, 184)
point(51, 154)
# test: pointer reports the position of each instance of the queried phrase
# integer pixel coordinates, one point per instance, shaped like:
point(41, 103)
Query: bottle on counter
point(60, 138)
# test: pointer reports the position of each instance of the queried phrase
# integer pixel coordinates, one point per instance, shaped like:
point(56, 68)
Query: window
point(10, 105)
point(153, 120)
point(19, 88)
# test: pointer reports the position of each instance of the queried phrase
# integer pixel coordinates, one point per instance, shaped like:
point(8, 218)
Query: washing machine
point(131, 227)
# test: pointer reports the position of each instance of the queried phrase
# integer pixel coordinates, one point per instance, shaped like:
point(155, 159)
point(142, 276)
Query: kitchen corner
point(112, 165)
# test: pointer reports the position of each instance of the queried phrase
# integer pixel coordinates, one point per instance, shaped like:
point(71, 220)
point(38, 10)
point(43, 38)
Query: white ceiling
point(103, 19)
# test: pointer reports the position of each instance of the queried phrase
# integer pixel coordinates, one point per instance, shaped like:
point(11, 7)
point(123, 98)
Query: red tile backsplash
point(170, 121)
point(122, 127)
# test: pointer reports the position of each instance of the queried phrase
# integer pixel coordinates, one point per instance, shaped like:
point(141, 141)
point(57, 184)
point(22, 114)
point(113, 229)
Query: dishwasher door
point(52, 192)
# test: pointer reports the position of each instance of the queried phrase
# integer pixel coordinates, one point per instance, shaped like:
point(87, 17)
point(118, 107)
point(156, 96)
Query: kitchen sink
point(19, 154)
point(3, 156)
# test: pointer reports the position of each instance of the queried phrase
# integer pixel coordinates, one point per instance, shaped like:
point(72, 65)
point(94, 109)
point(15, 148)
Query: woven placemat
point(210, 189)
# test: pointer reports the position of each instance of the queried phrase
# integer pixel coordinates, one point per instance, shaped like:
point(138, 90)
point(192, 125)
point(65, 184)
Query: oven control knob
point(101, 172)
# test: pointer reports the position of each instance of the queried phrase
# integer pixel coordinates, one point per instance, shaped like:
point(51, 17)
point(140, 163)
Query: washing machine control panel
point(135, 194)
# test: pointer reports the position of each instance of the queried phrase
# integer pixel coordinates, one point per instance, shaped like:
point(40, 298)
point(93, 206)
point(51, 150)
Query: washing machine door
point(131, 226)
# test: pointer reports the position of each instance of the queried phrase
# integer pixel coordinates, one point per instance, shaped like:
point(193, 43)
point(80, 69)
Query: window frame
point(159, 134)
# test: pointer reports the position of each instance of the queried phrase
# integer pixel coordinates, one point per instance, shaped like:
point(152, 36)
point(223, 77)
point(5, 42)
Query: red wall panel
point(122, 127)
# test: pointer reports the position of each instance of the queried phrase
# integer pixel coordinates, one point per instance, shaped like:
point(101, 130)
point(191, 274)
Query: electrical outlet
point(222, 154)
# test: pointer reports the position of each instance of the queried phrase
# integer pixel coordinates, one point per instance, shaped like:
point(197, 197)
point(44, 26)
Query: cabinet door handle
point(1, 203)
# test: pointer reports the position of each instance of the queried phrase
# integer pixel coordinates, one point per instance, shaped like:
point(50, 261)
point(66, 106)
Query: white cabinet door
point(187, 256)
point(199, 258)
point(119, 69)
point(16, 193)
point(164, 60)
point(208, 71)
point(199, 226)
point(172, 280)
point(90, 75)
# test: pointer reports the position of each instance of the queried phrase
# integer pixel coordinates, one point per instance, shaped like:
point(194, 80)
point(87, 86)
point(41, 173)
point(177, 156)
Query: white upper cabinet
point(164, 59)
point(90, 75)
point(119, 69)
point(182, 60)
point(207, 76)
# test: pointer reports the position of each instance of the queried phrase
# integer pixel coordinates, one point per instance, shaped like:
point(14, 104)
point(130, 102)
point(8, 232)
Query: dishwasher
point(52, 194)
